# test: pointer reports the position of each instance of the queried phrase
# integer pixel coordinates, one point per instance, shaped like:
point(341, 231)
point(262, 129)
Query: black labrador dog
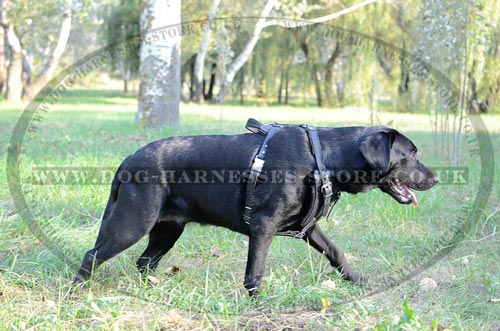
point(173, 181)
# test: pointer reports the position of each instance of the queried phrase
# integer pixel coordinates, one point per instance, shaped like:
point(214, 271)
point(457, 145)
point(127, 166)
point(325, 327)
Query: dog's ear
point(376, 149)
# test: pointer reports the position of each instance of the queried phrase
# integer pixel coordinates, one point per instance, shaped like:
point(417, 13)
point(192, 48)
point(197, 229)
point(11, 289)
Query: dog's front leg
point(318, 239)
point(260, 240)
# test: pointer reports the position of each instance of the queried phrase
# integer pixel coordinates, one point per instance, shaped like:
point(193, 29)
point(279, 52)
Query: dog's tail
point(113, 196)
point(115, 183)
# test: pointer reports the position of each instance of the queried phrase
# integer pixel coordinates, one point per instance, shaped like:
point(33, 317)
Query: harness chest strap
point(324, 174)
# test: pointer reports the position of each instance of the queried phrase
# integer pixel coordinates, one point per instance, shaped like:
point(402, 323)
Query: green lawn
point(200, 280)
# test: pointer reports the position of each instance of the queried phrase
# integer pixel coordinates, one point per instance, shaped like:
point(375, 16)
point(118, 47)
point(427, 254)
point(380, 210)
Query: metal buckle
point(258, 164)
point(327, 190)
point(299, 235)
point(247, 215)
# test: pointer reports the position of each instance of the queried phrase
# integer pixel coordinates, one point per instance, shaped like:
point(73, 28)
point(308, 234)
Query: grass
point(200, 280)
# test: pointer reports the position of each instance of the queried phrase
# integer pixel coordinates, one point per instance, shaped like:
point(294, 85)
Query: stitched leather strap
point(321, 184)
point(326, 184)
point(255, 171)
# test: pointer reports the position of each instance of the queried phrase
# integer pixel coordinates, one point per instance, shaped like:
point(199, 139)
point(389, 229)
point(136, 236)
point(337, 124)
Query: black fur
point(161, 208)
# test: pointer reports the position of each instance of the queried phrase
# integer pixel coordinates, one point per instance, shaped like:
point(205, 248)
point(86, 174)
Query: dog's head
point(395, 158)
point(391, 160)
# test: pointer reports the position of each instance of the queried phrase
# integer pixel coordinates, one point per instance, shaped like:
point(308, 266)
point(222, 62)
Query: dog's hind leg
point(132, 216)
point(161, 239)
point(318, 239)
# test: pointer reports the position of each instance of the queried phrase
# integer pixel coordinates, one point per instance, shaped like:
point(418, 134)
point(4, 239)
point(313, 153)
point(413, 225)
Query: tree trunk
point(280, 86)
point(3, 61)
point(340, 88)
point(210, 93)
point(246, 52)
point(14, 75)
point(242, 85)
point(317, 84)
point(15, 70)
point(404, 81)
point(160, 65)
point(329, 75)
point(192, 80)
point(14, 87)
point(125, 73)
point(200, 57)
point(53, 61)
point(262, 88)
point(287, 78)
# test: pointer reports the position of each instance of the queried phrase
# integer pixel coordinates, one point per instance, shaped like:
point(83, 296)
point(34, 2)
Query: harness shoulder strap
point(326, 184)
point(255, 171)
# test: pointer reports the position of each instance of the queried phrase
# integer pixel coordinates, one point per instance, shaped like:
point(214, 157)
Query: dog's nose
point(434, 179)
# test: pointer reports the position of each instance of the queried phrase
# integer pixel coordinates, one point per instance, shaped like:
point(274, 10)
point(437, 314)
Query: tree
point(200, 57)
point(52, 61)
point(160, 64)
point(13, 90)
point(123, 24)
point(329, 74)
point(263, 23)
point(242, 58)
point(3, 59)
point(19, 34)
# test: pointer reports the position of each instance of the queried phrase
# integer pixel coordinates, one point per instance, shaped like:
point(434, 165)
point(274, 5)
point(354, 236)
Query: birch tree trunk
point(14, 86)
point(160, 64)
point(200, 57)
point(247, 50)
point(329, 76)
point(50, 66)
point(14, 71)
point(3, 62)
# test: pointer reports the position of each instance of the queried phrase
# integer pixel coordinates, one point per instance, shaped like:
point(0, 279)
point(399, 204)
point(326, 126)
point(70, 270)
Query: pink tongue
point(410, 194)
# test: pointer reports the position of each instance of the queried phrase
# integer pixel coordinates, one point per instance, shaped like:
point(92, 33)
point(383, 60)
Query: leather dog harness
point(323, 194)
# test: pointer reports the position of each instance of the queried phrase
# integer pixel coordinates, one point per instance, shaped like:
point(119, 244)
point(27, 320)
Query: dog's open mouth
point(402, 192)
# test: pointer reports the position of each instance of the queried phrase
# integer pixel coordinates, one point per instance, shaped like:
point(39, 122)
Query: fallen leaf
point(335, 221)
point(215, 251)
point(325, 303)
point(328, 285)
point(173, 317)
point(427, 284)
point(153, 280)
point(351, 258)
point(48, 302)
point(174, 270)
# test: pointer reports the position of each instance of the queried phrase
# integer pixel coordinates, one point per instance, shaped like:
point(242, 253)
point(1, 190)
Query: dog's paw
point(79, 282)
point(358, 279)
point(253, 293)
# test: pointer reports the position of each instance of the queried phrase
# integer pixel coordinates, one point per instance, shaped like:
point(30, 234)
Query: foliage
point(122, 25)
point(432, 30)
